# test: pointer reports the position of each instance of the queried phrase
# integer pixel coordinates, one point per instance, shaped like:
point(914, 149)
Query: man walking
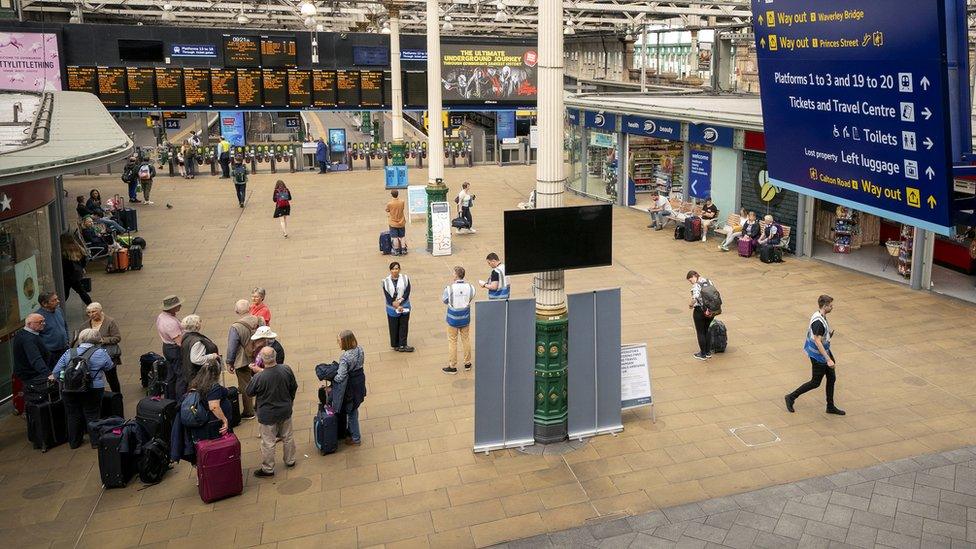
point(224, 148)
point(171, 335)
point(240, 179)
point(458, 297)
point(817, 347)
point(397, 223)
point(274, 386)
point(497, 283)
point(130, 175)
point(240, 352)
point(54, 332)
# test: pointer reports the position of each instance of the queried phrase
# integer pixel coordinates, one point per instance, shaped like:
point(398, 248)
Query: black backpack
point(153, 461)
point(76, 376)
point(129, 173)
point(711, 299)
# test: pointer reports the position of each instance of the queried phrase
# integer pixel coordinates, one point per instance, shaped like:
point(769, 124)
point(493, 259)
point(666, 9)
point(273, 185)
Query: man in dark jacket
point(31, 357)
point(322, 155)
point(130, 175)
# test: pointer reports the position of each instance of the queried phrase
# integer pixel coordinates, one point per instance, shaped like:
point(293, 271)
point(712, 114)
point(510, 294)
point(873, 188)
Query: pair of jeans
point(146, 189)
point(111, 224)
point(241, 191)
point(269, 436)
point(819, 371)
point(323, 166)
point(175, 384)
point(76, 286)
point(132, 190)
point(225, 165)
point(466, 214)
point(399, 326)
point(352, 423)
point(81, 408)
point(452, 338)
point(244, 376)
point(112, 378)
point(702, 323)
point(659, 218)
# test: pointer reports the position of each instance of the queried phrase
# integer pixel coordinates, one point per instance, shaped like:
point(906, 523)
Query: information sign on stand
point(417, 199)
point(440, 224)
point(635, 377)
point(855, 100)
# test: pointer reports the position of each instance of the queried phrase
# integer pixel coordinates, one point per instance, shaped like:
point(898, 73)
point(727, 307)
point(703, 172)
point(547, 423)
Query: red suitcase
point(219, 471)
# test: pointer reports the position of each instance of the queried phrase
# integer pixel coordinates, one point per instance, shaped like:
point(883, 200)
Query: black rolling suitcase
point(112, 405)
point(146, 362)
point(155, 415)
point(234, 396)
point(135, 258)
point(128, 218)
point(115, 466)
point(47, 425)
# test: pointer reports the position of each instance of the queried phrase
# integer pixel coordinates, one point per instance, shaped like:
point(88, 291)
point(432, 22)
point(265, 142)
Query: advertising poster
point(486, 74)
point(704, 56)
point(232, 127)
point(440, 225)
point(505, 127)
point(337, 140)
point(29, 61)
point(27, 285)
point(635, 377)
point(417, 199)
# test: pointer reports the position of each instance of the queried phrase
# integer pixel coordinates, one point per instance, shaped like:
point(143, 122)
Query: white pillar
point(396, 75)
point(550, 181)
point(644, 61)
point(693, 54)
point(435, 129)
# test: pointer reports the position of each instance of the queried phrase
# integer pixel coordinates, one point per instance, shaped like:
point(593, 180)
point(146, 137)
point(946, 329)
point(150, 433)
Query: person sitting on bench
point(772, 234)
point(660, 210)
point(709, 216)
point(749, 230)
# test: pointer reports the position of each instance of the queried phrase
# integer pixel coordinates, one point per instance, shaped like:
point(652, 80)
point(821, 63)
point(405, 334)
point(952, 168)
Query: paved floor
point(905, 377)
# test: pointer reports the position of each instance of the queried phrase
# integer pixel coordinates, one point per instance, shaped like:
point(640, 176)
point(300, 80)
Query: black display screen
point(278, 52)
point(371, 88)
point(111, 86)
point(550, 239)
point(83, 79)
point(248, 87)
point(274, 88)
point(415, 88)
point(242, 51)
point(196, 87)
point(223, 87)
point(299, 88)
point(371, 56)
point(347, 88)
point(141, 86)
point(169, 87)
point(141, 50)
point(324, 88)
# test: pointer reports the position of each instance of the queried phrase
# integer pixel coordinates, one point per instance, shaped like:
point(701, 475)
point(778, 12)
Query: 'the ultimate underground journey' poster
point(489, 74)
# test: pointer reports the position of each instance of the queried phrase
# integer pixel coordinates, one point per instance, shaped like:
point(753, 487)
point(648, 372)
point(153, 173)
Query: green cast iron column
point(551, 392)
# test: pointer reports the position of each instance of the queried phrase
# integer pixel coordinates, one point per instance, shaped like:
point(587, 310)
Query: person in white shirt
point(464, 200)
point(660, 210)
point(458, 297)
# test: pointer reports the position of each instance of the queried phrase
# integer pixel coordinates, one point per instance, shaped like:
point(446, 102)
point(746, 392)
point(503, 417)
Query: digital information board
point(278, 52)
point(371, 89)
point(347, 88)
point(196, 87)
point(248, 88)
point(111, 86)
point(169, 87)
point(299, 88)
point(242, 51)
point(83, 79)
point(323, 88)
point(415, 88)
point(274, 88)
point(855, 101)
point(140, 84)
point(489, 74)
point(223, 87)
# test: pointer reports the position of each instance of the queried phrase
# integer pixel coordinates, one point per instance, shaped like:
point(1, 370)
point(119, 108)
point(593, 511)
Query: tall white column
point(644, 61)
point(550, 180)
point(396, 75)
point(435, 130)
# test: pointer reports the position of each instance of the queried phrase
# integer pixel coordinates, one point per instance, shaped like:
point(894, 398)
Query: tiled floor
point(905, 377)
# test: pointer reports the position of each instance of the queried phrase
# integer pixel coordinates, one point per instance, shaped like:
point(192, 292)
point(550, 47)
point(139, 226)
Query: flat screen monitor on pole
point(549, 239)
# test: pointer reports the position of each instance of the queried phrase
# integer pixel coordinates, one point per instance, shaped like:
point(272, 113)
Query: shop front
point(572, 150)
point(601, 142)
point(655, 158)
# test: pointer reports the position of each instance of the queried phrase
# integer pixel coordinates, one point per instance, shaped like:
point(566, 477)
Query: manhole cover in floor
point(755, 435)
point(463, 384)
point(43, 490)
point(917, 381)
point(294, 486)
point(554, 449)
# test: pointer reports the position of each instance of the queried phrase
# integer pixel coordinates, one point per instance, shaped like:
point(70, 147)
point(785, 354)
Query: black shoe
point(700, 356)
point(247, 416)
point(836, 411)
point(789, 403)
point(242, 204)
point(450, 370)
point(406, 349)
point(261, 473)
point(290, 465)
point(467, 367)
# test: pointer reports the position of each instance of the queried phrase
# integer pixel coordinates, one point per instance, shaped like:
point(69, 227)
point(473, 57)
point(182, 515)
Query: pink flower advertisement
point(29, 61)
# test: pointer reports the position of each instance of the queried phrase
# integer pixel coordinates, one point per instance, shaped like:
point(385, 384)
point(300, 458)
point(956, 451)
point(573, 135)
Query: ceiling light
point(501, 16)
point(386, 27)
point(309, 22)
point(320, 27)
point(568, 31)
point(168, 16)
point(74, 19)
point(307, 9)
point(167, 7)
point(243, 19)
point(448, 26)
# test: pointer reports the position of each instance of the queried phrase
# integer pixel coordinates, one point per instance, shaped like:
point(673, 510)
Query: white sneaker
point(150, 202)
point(472, 230)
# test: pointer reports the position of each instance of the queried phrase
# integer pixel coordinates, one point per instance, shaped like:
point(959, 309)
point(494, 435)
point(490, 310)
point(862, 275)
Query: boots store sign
point(652, 127)
point(600, 121)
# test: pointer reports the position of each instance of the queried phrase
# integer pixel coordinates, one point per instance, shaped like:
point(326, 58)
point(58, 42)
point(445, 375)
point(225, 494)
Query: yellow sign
point(524, 114)
point(772, 42)
point(770, 19)
point(443, 117)
point(914, 197)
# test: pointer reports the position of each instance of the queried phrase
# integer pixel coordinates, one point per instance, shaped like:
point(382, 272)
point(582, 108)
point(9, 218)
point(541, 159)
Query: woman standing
point(73, 263)
point(464, 201)
point(82, 407)
point(396, 289)
point(350, 384)
point(111, 337)
point(282, 200)
point(207, 384)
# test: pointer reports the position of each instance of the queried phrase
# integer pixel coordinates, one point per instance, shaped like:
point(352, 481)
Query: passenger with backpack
point(239, 175)
point(706, 304)
point(130, 176)
point(241, 351)
point(282, 199)
point(81, 372)
point(769, 242)
point(145, 175)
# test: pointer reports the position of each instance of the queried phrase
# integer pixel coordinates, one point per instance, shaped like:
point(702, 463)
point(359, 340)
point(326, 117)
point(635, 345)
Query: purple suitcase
point(745, 247)
point(219, 470)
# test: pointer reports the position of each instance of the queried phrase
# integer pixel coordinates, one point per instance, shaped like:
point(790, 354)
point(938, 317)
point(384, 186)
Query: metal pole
point(644, 61)
point(436, 189)
point(398, 149)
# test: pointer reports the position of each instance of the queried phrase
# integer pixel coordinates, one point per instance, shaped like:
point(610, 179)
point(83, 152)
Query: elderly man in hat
point(171, 334)
point(265, 337)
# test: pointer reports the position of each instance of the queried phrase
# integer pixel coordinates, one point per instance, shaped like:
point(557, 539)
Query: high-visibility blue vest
point(810, 346)
point(390, 309)
point(459, 317)
point(504, 289)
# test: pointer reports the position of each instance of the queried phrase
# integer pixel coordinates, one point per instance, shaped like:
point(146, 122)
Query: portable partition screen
point(594, 363)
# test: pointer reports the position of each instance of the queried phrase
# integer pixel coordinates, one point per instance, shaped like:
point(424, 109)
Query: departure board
point(371, 84)
point(196, 87)
point(323, 88)
point(299, 88)
point(169, 87)
point(347, 88)
point(223, 87)
point(415, 88)
point(388, 89)
point(278, 52)
point(241, 51)
point(139, 82)
point(274, 87)
point(111, 86)
point(83, 79)
point(248, 88)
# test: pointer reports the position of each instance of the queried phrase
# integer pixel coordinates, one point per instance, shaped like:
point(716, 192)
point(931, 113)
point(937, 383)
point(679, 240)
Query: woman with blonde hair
point(108, 330)
point(73, 262)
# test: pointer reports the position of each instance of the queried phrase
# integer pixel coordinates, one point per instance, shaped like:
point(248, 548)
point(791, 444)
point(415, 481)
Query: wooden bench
point(784, 242)
point(734, 220)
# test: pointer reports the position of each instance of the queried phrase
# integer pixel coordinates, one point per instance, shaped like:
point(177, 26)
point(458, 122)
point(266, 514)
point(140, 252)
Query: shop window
point(601, 166)
point(656, 165)
point(572, 157)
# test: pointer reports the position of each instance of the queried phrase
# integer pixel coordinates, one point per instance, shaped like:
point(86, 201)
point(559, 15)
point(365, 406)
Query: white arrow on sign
point(925, 83)
point(926, 113)
point(930, 172)
point(693, 189)
point(928, 143)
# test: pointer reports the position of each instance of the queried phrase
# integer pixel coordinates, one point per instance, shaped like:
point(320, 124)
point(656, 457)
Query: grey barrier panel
point(594, 363)
point(504, 374)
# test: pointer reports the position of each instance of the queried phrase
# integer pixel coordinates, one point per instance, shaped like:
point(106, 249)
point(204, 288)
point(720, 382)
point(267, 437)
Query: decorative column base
point(436, 192)
point(551, 392)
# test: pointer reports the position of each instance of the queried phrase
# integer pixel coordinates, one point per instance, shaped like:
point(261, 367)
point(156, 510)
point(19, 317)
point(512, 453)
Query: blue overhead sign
point(652, 127)
point(855, 100)
point(710, 134)
point(413, 55)
point(573, 115)
point(700, 174)
point(193, 50)
point(600, 121)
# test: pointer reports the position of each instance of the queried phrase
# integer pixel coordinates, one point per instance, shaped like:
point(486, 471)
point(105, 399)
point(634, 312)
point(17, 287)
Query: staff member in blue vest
point(458, 297)
point(396, 289)
point(817, 347)
point(497, 283)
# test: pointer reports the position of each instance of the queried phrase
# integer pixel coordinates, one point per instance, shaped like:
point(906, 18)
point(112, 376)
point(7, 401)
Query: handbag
point(113, 350)
point(85, 283)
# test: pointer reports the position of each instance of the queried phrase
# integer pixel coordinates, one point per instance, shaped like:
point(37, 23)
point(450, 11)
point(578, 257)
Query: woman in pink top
point(258, 308)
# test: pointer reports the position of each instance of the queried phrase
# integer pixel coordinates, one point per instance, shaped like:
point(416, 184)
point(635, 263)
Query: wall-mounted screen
point(140, 84)
point(111, 86)
point(299, 88)
point(248, 87)
point(415, 88)
point(371, 56)
point(489, 74)
point(347, 88)
point(323, 88)
point(144, 51)
point(83, 79)
point(169, 87)
point(242, 51)
point(536, 240)
point(371, 88)
point(223, 87)
point(274, 88)
point(196, 87)
point(278, 52)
